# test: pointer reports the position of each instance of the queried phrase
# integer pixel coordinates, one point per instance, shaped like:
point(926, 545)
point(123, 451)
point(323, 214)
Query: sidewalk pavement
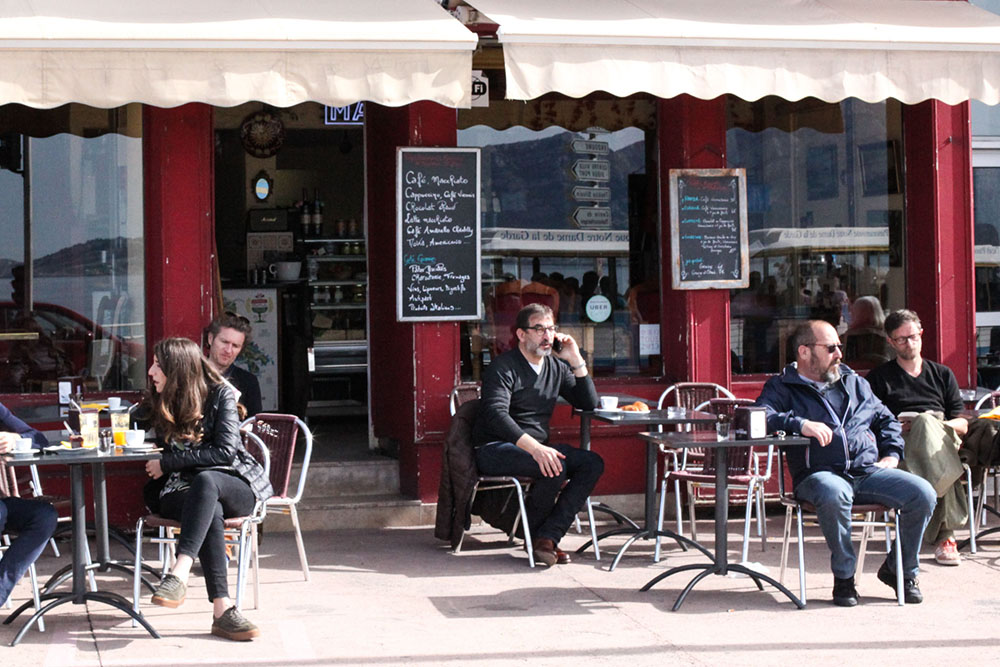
point(398, 596)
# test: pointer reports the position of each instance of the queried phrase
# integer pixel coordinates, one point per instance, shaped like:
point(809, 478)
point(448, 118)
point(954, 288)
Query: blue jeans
point(547, 517)
point(832, 495)
point(34, 522)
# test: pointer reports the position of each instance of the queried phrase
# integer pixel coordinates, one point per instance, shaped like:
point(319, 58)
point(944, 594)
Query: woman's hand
point(153, 469)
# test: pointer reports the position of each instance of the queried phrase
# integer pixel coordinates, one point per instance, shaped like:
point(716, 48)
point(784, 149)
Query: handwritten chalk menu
point(437, 234)
point(708, 228)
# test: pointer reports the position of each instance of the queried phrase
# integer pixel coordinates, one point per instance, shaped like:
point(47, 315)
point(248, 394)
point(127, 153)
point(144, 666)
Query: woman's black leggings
point(212, 496)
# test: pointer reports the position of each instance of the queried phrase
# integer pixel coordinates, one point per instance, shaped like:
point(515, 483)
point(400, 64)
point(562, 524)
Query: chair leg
point(694, 525)
point(576, 523)
point(785, 536)
point(659, 520)
point(677, 506)
point(899, 563)
point(524, 520)
point(255, 564)
point(241, 566)
point(865, 533)
point(802, 557)
point(751, 495)
point(137, 571)
point(761, 516)
point(593, 529)
point(55, 550)
point(34, 595)
point(461, 538)
point(972, 519)
point(298, 541)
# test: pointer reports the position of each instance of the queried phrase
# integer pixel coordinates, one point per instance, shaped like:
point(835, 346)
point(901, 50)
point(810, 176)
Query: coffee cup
point(609, 402)
point(135, 437)
point(114, 402)
point(23, 444)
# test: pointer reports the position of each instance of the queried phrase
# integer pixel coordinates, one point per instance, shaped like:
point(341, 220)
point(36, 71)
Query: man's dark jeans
point(34, 522)
point(547, 517)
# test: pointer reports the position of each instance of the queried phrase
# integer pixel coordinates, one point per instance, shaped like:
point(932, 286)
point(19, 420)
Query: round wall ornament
point(262, 134)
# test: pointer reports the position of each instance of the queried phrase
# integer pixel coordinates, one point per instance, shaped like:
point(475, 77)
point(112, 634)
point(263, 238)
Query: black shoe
point(232, 625)
point(844, 592)
point(911, 590)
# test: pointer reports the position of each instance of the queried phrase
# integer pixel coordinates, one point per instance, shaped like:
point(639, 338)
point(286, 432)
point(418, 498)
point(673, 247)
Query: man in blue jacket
point(853, 457)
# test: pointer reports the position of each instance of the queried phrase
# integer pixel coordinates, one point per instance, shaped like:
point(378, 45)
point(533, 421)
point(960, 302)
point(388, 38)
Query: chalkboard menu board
point(437, 234)
point(708, 228)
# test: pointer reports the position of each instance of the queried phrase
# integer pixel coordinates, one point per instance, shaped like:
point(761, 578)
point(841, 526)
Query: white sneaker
point(946, 553)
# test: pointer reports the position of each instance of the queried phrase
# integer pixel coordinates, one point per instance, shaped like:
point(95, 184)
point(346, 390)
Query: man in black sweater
point(511, 433)
point(227, 336)
point(932, 431)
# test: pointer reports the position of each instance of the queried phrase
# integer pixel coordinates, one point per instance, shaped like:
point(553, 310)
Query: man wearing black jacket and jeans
point(511, 433)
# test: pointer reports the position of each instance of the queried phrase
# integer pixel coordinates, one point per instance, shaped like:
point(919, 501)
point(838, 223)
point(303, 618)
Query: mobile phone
point(556, 345)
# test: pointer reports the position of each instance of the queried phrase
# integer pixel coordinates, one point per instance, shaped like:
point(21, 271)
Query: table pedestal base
point(57, 599)
point(713, 568)
point(643, 534)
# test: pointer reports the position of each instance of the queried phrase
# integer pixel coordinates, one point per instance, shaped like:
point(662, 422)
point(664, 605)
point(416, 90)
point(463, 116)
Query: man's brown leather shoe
point(562, 558)
point(544, 551)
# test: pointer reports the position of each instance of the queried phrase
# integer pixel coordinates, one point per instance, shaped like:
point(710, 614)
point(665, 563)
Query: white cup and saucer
point(23, 447)
point(609, 404)
point(136, 439)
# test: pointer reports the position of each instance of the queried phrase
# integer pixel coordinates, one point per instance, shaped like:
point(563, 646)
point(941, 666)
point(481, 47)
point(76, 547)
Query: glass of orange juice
point(119, 424)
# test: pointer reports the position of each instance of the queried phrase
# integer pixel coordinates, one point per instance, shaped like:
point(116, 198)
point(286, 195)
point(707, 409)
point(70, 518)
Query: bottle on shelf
point(317, 214)
point(305, 214)
point(338, 295)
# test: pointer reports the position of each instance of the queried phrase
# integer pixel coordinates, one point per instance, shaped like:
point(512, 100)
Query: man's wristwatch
point(578, 366)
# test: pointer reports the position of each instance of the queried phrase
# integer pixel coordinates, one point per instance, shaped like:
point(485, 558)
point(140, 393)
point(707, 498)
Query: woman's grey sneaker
point(170, 593)
point(232, 625)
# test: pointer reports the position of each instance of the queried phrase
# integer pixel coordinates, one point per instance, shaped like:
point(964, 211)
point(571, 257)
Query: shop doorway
point(291, 237)
point(986, 217)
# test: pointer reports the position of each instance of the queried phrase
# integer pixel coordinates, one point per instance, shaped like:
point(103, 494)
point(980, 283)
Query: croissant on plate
point(638, 406)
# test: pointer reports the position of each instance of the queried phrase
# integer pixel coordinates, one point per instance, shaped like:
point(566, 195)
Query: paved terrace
point(397, 596)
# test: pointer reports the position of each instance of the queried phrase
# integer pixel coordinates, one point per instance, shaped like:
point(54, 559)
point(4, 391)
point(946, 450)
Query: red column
point(178, 173)
point(695, 337)
point(413, 366)
point(940, 275)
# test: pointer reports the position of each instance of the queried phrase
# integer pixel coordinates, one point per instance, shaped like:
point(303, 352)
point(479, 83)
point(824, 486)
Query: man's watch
point(578, 366)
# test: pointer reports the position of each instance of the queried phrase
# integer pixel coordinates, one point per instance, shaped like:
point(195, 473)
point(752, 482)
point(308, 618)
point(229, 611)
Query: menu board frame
point(473, 244)
point(677, 177)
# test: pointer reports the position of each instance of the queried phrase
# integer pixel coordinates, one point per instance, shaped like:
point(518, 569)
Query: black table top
point(41, 459)
point(655, 417)
point(684, 440)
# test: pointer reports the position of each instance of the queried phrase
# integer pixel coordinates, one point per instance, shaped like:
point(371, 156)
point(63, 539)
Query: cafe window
point(569, 221)
point(71, 216)
point(826, 226)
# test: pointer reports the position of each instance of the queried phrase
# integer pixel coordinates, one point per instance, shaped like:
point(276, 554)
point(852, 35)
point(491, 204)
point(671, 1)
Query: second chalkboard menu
point(437, 234)
point(708, 228)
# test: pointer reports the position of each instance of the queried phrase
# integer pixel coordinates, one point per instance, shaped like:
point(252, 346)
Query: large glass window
point(825, 200)
point(71, 222)
point(569, 220)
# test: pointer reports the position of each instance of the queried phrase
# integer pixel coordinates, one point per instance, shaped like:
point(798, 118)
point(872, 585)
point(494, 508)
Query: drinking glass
point(119, 424)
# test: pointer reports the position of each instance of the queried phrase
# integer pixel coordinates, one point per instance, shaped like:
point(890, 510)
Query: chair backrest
point(461, 394)
point(258, 450)
point(692, 394)
point(279, 433)
point(990, 400)
point(740, 459)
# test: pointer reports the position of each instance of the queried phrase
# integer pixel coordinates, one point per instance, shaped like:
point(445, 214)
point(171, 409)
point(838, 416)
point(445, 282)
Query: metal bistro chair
point(9, 489)
point(460, 432)
point(279, 432)
point(744, 470)
point(246, 542)
point(978, 516)
point(867, 520)
point(686, 395)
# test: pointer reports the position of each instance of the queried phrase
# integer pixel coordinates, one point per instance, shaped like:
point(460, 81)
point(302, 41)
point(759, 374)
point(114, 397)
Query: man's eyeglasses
point(539, 329)
point(830, 347)
point(901, 340)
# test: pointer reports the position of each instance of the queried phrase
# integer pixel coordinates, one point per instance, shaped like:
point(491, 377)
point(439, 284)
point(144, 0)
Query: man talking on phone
point(511, 434)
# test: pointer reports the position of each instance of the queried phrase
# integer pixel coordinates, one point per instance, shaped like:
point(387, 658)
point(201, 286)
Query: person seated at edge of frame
point(511, 432)
point(911, 384)
point(227, 336)
point(856, 446)
point(34, 521)
point(204, 475)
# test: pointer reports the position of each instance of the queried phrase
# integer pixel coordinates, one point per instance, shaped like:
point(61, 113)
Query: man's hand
point(887, 462)
point(7, 441)
point(548, 460)
point(960, 424)
point(818, 430)
point(570, 352)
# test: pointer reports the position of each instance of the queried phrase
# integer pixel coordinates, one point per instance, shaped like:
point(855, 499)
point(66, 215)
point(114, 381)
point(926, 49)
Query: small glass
point(722, 428)
point(105, 443)
point(119, 424)
point(675, 411)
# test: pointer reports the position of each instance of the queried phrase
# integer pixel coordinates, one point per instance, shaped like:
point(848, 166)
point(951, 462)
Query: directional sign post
point(591, 147)
point(592, 216)
point(592, 194)
point(592, 170)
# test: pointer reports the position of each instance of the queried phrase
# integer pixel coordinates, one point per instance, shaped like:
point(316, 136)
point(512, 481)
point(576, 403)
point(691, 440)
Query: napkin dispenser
point(749, 423)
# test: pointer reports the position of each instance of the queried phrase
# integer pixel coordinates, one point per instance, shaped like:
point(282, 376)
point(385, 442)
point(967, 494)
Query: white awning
point(910, 50)
point(227, 52)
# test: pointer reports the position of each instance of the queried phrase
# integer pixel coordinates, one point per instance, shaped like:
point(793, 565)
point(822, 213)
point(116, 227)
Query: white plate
point(23, 455)
point(612, 411)
point(146, 446)
point(69, 451)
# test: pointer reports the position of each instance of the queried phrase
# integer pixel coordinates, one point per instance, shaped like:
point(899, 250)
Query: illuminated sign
point(352, 114)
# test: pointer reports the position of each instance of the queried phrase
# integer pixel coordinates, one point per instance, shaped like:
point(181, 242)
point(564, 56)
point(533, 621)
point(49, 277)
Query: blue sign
point(352, 114)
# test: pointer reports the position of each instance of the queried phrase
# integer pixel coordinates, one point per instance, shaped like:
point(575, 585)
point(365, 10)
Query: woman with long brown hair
point(204, 476)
